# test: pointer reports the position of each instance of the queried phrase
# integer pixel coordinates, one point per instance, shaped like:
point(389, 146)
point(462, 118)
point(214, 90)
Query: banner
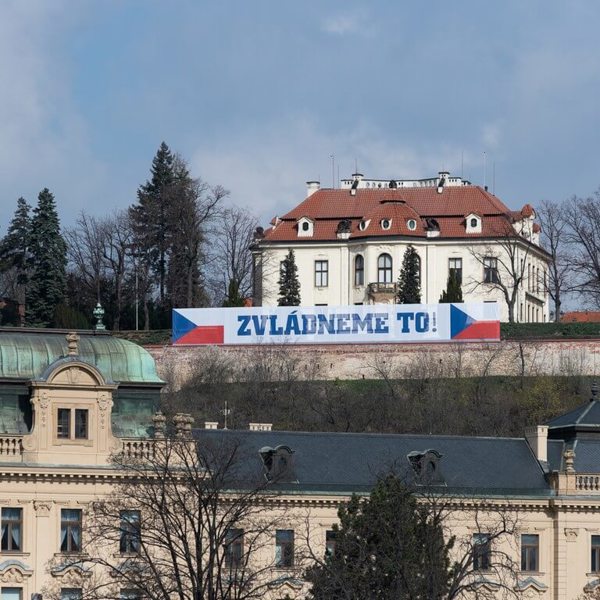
point(368, 324)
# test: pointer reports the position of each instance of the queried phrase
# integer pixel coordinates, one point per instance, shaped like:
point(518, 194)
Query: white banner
point(383, 323)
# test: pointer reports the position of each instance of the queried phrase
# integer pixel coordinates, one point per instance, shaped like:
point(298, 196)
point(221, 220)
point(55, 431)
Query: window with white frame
point(72, 424)
point(284, 548)
point(70, 530)
point(384, 268)
point(321, 273)
point(12, 529)
point(530, 551)
point(455, 269)
point(490, 270)
point(359, 270)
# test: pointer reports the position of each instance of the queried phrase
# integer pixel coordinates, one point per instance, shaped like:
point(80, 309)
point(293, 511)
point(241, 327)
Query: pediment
point(14, 571)
point(71, 574)
point(73, 373)
point(531, 583)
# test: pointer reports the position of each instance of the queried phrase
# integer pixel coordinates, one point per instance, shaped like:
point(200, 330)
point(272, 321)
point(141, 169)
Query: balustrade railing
point(138, 448)
point(11, 446)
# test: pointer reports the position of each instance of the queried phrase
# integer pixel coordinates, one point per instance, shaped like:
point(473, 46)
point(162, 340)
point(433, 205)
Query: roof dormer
point(305, 227)
point(473, 223)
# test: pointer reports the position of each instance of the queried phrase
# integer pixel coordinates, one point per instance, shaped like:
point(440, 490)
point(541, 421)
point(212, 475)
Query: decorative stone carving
point(569, 457)
point(159, 420)
point(571, 534)
point(72, 343)
point(103, 406)
point(42, 508)
point(12, 575)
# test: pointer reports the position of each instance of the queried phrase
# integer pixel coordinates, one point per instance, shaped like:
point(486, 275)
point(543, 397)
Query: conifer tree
point(149, 216)
point(388, 545)
point(453, 291)
point(48, 263)
point(409, 280)
point(233, 295)
point(14, 251)
point(289, 286)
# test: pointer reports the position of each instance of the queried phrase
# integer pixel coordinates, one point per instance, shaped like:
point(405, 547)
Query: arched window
point(359, 270)
point(384, 268)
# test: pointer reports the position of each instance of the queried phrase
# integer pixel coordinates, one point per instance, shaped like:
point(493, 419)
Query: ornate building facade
point(349, 244)
point(69, 402)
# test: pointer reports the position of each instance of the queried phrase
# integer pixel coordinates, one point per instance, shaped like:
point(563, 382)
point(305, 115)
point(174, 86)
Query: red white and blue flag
point(375, 323)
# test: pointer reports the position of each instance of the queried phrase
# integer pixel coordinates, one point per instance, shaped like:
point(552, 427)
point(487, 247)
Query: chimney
point(312, 187)
point(211, 424)
point(537, 438)
point(260, 426)
point(442, 175)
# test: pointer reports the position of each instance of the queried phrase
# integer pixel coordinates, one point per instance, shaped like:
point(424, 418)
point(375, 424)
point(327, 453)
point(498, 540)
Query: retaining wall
point(177, 364)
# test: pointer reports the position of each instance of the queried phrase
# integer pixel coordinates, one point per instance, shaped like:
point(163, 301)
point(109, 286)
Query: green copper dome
point(25, 354)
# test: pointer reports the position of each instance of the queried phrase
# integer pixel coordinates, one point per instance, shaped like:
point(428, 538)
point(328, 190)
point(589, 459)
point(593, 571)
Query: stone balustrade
point(11, 447)
point(138, 448)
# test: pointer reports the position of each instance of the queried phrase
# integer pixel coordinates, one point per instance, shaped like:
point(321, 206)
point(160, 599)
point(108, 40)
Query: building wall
point(531, 304)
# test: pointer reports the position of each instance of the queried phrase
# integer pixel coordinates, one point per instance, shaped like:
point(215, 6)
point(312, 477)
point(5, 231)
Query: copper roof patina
point(25, 354)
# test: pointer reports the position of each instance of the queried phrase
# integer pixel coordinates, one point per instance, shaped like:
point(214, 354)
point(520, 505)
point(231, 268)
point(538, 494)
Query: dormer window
point(411, 224)
point(305, 227)
point(72, 424)
point(363, 224)
point(386, 224)
point(426, 467)
point(473, 223)
point(278, 463)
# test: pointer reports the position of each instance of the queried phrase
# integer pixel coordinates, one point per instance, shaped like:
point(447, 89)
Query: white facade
point(329, 273)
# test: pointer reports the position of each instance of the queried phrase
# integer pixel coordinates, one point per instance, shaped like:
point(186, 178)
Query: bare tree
point(583, 221)
point(554, 237)
point(232, 260)
point(193, 206)
point(187, 520)
point(505, 263)
point(118, 238)
point(85, 250)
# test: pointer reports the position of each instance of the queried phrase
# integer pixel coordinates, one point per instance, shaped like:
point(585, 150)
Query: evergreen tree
point(233, 295)
point(48, 263)
point(14, 250)
point(453, 291)
point(409, 280)
point(150, 216)
point(185, 238)
point(289, 286)
point(386, 546)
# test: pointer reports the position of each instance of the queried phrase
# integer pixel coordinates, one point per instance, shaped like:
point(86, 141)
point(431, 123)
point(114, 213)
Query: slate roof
point(349, 462)
point(326, 207)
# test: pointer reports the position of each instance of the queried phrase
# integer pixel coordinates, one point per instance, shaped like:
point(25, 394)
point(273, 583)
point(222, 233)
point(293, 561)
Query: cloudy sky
point(257, 95)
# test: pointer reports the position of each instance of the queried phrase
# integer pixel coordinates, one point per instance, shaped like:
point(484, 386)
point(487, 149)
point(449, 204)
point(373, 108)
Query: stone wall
point(177, 364)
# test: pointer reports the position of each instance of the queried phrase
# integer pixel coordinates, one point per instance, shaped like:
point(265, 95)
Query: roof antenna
point(332, 157)
point(462, 164)
point(494, 178)
point(356, 165)
point(484, 170)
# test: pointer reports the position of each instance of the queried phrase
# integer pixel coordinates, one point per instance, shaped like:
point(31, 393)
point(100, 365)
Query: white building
point(349, 244)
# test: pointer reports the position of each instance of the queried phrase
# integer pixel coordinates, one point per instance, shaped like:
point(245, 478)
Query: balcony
point(382, 293)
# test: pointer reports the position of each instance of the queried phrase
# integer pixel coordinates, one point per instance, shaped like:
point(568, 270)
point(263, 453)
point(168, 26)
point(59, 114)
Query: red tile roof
point(327, 207)
point(581, 316)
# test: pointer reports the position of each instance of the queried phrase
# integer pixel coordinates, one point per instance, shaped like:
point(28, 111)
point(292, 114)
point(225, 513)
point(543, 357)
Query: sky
point(257, 95)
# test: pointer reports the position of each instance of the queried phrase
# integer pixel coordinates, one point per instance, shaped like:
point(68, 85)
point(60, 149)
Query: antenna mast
point(332, 157)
